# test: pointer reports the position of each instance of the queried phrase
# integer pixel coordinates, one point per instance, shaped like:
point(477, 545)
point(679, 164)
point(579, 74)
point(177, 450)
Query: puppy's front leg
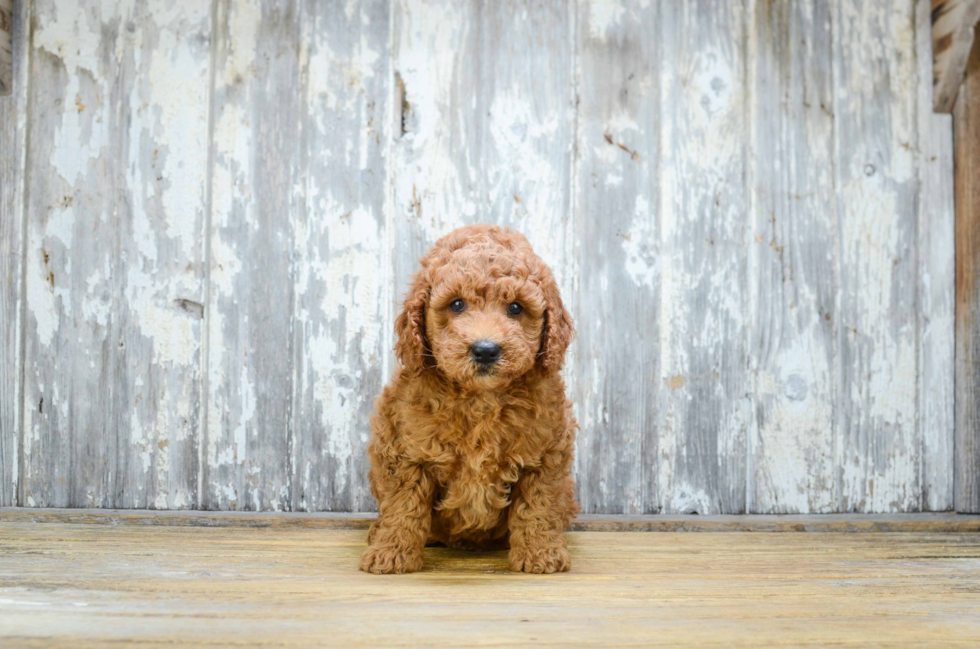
point(542, 507)
point(396, 539)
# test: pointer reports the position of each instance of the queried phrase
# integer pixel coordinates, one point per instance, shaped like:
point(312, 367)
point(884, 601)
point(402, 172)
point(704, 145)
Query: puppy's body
point(467, 453)
point(475, 447)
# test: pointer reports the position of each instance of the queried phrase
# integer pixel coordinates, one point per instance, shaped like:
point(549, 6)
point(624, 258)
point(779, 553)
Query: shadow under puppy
point(472, 440)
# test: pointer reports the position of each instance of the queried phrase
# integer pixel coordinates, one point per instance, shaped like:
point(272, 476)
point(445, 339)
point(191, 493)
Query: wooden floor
point(69, 584)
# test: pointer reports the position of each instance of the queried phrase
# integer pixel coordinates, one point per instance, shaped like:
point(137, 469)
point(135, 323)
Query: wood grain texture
point(79, 585)
point(258, 98)
point(7, 47)
point(616, 207)
point(340, 276)
point(297, 254)
point(935, 239)
point(794, 243)
point(486, 125)
point(749, 215)
point(13, 144)
point(937, 523)
point(966, 128)
point(119, 99)
point(879, 452)
point(704, 410)
point(953, 25)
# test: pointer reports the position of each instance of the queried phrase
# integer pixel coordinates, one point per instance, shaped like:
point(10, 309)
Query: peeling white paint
point(603, 16)
point(641, 248)
point(244, 18)
point(474, 151)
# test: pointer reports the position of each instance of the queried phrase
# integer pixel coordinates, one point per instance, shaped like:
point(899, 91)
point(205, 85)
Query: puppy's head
point(483, 310)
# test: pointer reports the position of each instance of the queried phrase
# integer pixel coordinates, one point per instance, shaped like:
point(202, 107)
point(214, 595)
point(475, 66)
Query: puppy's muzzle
point(485, 353)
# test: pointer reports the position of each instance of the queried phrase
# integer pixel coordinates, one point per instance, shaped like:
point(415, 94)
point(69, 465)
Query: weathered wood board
point(616, 208)
point(297, 249)
point(13, 129)
point(85, 585)
point(792, 249)
point(341, 273)
point(114, 266)
point(749, 215)
point(254, 202)
point(967, 156)
point(936, 310)
point(879, 452)
point(705, 411)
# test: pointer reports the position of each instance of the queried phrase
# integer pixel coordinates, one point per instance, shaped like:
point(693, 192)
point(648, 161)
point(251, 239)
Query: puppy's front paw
point(389, 559)
point(543, 559)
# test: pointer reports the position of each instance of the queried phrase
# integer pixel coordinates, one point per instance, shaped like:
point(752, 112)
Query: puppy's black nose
point(485, 352)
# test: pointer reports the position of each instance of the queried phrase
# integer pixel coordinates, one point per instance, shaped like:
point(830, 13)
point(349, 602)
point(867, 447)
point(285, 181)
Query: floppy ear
point(410, 324)
point(558, 328)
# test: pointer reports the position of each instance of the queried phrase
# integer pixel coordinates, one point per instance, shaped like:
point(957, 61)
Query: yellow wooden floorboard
point(91, 585)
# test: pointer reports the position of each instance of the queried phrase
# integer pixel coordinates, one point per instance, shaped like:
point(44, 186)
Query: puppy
point(472, 440)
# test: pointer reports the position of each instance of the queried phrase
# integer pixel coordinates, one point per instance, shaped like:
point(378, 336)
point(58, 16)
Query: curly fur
point(466, 458)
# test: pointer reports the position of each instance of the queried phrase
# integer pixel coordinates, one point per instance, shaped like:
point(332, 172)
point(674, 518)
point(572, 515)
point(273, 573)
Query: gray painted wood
point(114, 271)
point(341, 277)
point(935, 237)
point(749, 214)
point(13, 128)
point(705, 410)
point(258, 99)
point(295, 350)
point(616, 207)
point(488, 118)
point(879, 452)
point(792, 249)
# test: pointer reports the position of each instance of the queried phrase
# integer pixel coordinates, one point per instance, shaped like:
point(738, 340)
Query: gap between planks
point(922, 522)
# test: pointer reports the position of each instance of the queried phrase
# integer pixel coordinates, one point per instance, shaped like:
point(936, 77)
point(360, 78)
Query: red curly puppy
point(472, 440)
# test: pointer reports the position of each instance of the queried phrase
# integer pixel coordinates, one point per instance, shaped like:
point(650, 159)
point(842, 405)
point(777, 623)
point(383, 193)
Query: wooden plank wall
point(13, 143)
point(749, 213)
point(966, 121)
point(935, 232)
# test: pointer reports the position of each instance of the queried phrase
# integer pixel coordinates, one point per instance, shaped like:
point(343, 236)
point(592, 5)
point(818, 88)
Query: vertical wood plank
point(616, 205)
point(936, 277)
point(13, 131)
point(701, 271)
point(255, 176)
point(966, 130)
point(341, 277)
point(791, 257)
point(879, 450)
point(484, 120)
point(705, 411)
point(486, 126)
point(114, 274)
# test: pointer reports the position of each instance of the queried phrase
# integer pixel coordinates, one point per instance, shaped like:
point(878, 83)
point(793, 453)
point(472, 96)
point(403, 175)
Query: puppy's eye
point(515, 309)
point(457, 306)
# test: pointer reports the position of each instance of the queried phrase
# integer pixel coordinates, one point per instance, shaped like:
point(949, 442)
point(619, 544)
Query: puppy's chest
point(473, 439)
point(475, 464)
point(474, 484)
point(488, 457)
